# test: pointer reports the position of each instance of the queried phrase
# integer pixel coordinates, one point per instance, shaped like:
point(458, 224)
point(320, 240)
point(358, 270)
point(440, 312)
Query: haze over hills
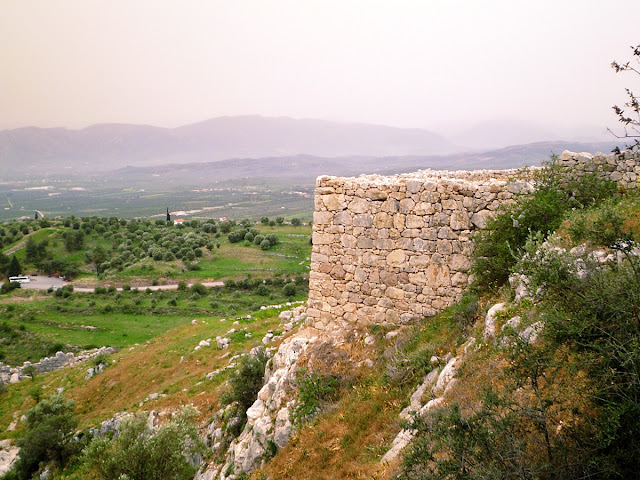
point(109, 146)
point(305, 168)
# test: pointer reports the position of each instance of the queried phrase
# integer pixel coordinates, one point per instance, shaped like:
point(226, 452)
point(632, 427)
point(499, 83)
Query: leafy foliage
point(631, 121)
point(557, 191)
point(313, 390)
point(247, 380)
point(170, 452)
point(47, 437)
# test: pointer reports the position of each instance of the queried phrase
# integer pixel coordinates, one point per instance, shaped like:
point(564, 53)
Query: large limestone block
point(390, 205)
point(376, 194)
point(383, 220)
point(459, 263)
point(364, 242)
point(363, 220)
point(396, 258)
point(348, 241)
point(395, 293)
point(343, 218)
point(407, 205)
point(460, 220)
point(481, 218)
point(322, 238)
point(414, 221)
point(334, 202)
point(414, 186)
point(322, 218)
point(438, 275)
point(359, 205)
point(424, 208)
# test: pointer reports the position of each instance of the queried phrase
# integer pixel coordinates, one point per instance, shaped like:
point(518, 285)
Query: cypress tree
point(14, 267)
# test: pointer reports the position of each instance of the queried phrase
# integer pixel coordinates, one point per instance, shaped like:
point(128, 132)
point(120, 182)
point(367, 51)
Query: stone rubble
point(48, 364)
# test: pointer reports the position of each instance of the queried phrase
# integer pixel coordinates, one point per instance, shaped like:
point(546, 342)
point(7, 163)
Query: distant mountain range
point(250, 146)
point(305, 168)
point(110, 146)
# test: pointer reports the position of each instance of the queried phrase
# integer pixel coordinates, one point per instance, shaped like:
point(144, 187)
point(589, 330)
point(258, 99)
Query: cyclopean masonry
point(394, 249)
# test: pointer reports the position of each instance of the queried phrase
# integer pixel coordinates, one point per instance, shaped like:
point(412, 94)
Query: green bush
point(199, 289)
point(289, 290)
point(139, 452)
point(313, 390)
point(47, 437)
point(272, 238)
point(557, 191)
point(247, 379)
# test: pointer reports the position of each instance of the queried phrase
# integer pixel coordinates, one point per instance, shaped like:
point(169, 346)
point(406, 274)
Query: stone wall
point(394, 249)
point(623, 169)
point(60, 360)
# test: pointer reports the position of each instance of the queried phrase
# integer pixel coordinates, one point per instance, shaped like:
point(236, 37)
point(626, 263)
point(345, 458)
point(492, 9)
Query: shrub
point(265, 244)
point(237, 235)
point(47, 437)
point(247, 379)
point(139, 452)
point(199, 289)
point(557, 191)
point(313, 390)
point(258, 239)
point(289, 290)
point(272, 238)
point(8, 286)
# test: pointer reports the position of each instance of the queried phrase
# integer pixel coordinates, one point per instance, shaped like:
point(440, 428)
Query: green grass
point(121, 319)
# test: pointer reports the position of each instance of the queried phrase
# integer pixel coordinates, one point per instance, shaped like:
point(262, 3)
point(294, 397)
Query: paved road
point(43, 283)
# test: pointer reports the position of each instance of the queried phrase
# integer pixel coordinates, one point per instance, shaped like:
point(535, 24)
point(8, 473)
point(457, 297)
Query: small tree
point(296, 222)
point(631, 121)
point(14, 267)
point(47, 437)
point(97, 257)
point(168, 216)
point(280, 220)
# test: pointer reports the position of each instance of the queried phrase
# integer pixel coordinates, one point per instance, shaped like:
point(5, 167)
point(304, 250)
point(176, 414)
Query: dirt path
point(43, 283)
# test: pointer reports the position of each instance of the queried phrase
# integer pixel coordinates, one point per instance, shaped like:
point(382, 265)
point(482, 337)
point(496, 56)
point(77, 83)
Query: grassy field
point(121, 319)
point(166, 362)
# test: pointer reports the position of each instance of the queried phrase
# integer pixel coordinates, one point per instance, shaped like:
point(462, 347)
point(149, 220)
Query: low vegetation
point(565, 406)
point(118, 250)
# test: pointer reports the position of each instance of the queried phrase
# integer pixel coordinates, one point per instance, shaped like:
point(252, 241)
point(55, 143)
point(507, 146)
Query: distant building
point(178, 221)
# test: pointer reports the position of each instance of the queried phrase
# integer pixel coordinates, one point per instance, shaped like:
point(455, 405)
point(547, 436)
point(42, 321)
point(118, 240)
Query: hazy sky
point(427, 64)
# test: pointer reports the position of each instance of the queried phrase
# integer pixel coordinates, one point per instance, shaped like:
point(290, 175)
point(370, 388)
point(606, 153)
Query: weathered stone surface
point(403, 243)
point(396, 258)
